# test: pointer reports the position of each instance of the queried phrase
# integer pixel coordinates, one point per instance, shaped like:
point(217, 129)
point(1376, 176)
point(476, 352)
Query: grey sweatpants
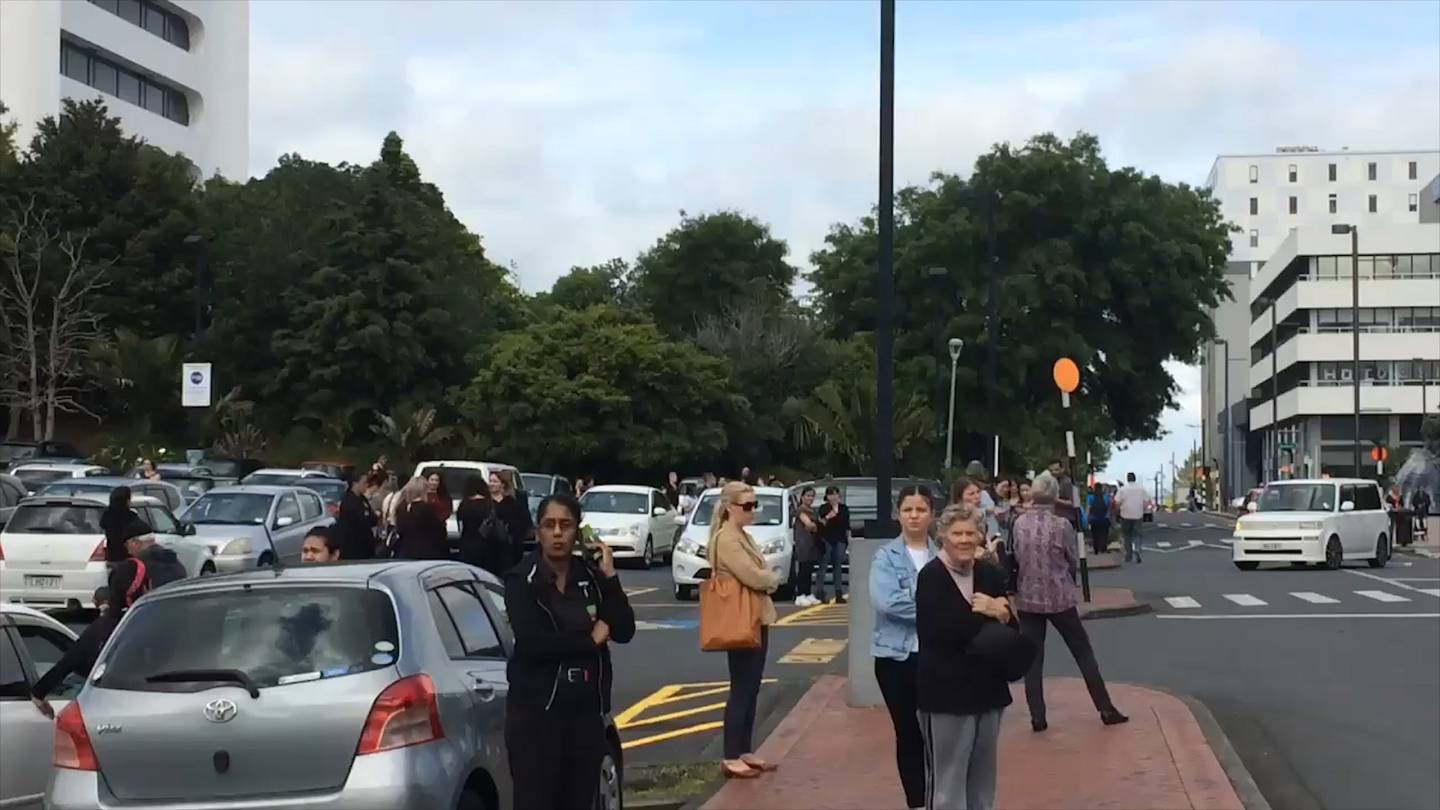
point(961, 759)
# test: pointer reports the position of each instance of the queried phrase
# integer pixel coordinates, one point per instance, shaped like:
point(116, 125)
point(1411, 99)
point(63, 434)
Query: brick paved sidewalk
point(837, 757)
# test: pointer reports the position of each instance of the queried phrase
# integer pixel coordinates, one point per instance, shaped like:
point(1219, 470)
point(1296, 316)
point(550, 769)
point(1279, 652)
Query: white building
point(176, 72)
point(1283, 205)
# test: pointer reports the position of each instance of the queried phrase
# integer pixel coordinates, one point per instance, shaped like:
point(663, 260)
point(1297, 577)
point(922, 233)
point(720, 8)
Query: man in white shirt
point(1131, 500)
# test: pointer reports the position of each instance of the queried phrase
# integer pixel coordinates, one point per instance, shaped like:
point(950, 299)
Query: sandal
point(737, 769)
point(758, 764)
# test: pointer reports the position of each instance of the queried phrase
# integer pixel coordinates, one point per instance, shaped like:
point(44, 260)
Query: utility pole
point(1354, 325)
point(885, 342)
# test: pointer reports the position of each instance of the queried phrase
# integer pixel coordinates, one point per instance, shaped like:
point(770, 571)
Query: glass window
point(1413, 203)
point(495, 601)
point(154, 20)
point(1254, 238)
point(1334, 205)
point(288, 508)
point(45, 645)
point(309, 506)
point(1413, 175)
point(1367, 267)
point(1332, 179)
point(1254, 174)
point(1254, 206)
point(13, 683)
point(45, 518)
point(1374, 203)
point(1367, 498)
point(1294, 173)
point(1294, 205)
point(109, 5)
point(129, 88)
point(245, 508)
point(1384, 267)
point(1297, 498)
point(1344, 266)
point(618, 503)
point(1404, 370)
point(1404, 266)
point(1370, 171)
point(161, 521)
point(1327, 267)
point(461, 604)
point(1404, 317)
point(274, 635)
point(154, 98)
point(177, 107)
point(102, 76)
point(177, 31)
point(74, 63)
point(130, 10)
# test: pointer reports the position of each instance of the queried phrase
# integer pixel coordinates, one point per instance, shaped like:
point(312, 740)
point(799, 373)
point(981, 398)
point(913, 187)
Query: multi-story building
point(1283, 206)
point(176, 72)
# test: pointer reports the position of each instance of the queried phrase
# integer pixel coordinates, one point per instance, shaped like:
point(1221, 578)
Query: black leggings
point(555, 755)
point(897, 684)
point(747, 667)
point(1100, 535)
point(1032, 625)
point(804, 578)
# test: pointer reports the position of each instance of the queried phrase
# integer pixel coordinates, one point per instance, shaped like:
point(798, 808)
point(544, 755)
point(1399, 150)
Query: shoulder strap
point(139, 585)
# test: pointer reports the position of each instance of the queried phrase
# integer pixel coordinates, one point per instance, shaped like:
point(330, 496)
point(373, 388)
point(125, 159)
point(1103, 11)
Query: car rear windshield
point(454, 479)
point(44, 518)
point(536, 484)
point(14, 452)
point(331, 491)
point(229, 508)
point(273, 635)
point(38, 478)
point(1298, 498)
point(77, 486)
point(270, 479)
point(770, 512)
point(617, 503)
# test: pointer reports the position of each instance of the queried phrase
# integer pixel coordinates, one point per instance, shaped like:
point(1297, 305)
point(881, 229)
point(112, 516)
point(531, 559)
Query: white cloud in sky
point(565, 134)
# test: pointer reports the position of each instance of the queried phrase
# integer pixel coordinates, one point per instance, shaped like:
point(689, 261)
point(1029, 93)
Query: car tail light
point(2, 553)
point(98, 555)
point(405, 714)
point(334, 509)
point(72, 741)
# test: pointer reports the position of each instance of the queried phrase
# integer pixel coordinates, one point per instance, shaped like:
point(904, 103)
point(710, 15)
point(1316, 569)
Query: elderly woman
point(960, 694)
point(1045, 554)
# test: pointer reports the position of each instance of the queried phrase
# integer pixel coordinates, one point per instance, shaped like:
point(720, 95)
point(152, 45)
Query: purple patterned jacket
point(1044, 548)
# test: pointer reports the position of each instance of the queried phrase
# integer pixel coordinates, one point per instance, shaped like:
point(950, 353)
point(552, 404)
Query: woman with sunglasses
point(732, 551)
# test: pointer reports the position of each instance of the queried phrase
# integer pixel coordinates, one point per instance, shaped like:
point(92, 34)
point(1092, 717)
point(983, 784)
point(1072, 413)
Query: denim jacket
point(892, 591)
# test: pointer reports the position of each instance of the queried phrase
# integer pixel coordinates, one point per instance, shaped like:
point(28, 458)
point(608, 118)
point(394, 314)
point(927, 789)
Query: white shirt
point(919, 556)
point(1131, 498)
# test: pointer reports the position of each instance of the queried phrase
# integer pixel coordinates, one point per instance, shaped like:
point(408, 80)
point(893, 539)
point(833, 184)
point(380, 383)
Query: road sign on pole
point(1067, 378)
point(195, 385)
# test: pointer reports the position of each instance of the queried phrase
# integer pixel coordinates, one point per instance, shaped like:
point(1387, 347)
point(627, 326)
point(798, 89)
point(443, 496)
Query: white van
point(1318, 521)
point(454, 474)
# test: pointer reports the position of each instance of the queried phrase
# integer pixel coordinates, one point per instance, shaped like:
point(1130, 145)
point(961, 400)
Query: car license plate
point(43, 583)
point(1270, 546)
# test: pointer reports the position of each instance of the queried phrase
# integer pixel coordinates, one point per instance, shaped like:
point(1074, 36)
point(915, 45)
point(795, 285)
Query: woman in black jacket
point(422, 531)
point(961, 694)
point(484, 538)
point(514, 512)
point(564, 609)
point(114, 520)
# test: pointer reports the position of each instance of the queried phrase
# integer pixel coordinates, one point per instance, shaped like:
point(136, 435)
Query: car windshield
point(271, 479)
point(56, 519)
point(616, 503)
point(771, 511)
point(1298, 498)
point(330, 491)
point(274, 636)
point(536, 484)
point(11, 452)
point(229, 507)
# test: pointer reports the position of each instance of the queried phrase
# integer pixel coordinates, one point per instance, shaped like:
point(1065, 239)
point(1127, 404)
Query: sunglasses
point(748, 506)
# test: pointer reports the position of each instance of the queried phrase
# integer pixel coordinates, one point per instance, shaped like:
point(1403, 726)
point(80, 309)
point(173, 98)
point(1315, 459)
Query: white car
point(52, 552)
point(280, 477)
point(30, 643)
point(455, 474)
point(40, 473)
point(636, 522)
point(772, 532)
point(1320, 521)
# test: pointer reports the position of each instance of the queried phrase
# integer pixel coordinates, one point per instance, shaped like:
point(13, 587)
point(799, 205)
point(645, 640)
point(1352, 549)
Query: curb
point(658, 804)
point(1230, 761)
point(1132, 609)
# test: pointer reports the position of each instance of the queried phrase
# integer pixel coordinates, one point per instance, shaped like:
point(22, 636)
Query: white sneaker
point(807, 601)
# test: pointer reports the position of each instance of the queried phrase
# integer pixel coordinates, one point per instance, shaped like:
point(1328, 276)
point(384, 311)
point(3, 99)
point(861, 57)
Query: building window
point(1254, 173)
point(1294, 173)
point(1254, 206)
point(1332, 172)
point(1294, 205)
point(1414, 201)
point(91, 69)
point(1374, 204)
point(161, 22)
point(1254, 238)
point(1370, 171)
point(1414, 171)
point(1333, 204)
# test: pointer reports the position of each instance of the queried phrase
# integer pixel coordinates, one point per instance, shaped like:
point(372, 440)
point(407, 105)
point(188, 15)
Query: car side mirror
point(1348, 506)
point(187, 529)
point(281, 523)
point(659, 510)
point(1252, 507)
point(679, 520)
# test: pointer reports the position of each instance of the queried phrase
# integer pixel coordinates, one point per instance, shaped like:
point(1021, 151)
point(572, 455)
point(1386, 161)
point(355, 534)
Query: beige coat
point(734, 553)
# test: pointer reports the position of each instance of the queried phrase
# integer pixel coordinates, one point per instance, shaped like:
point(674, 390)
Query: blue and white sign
point(195, 385)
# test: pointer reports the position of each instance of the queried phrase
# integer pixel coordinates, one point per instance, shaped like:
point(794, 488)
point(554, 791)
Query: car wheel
point(208, 569)
point(1382, 553)
point(684, 593)
point(1334, 555)
point(1246, 565)
point(471, 799)
point(648, 561)
point(609, 793)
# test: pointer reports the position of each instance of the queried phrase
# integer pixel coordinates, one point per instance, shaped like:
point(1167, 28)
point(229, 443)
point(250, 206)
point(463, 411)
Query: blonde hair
point(956, 513)
point(414, 490)
point(730, 494)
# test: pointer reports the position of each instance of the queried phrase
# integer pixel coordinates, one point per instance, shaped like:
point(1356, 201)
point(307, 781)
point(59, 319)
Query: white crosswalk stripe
point(1163, 544)
point(1245, 599)
point(1315, 598)
point(1182, 602)
point(1382, 596)
point(1431, 591)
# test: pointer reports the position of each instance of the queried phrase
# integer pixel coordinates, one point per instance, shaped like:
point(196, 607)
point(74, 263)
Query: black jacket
point(356, 524)
point(113, 523)
point(516, 515)
point(545, 645)
point(836, 529)
point(423, 535)
point(951, 680)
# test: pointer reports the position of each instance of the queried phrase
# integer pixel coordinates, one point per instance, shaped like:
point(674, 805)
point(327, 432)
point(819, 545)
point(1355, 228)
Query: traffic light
point(1378, 454)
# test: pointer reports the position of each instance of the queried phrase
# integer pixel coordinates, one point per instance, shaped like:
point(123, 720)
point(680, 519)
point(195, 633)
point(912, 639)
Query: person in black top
point(834, 519)
point(356, 522)
point(672, 489)
point(564, 609)
point(422, 531)
point(514, 512)
point(114, 520)
point(484, 537)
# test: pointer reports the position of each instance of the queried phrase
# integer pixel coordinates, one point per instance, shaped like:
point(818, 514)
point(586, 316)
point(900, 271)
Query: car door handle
point(483, 689)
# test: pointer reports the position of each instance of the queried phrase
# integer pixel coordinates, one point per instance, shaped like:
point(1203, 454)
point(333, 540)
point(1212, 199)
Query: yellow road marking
point(828, 614)
point(814, 651)
point(661, 718)
point(713, 688)
point(639, 591)
point(646, 702)
point(670, 735)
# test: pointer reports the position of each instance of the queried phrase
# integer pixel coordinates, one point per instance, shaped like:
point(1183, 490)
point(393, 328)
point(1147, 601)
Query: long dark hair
point(119, 499)
point(565, 499)
point(914, 490)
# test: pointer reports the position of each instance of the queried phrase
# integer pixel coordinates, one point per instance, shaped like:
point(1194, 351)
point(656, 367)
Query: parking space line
point(633, 717)
point(829, 615)
point(663, 718)
point(639, 591)
point(814, 651)
point(670, 735)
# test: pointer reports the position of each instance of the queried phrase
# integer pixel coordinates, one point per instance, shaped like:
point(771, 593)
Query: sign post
point(1067, 379)
point(195, 385)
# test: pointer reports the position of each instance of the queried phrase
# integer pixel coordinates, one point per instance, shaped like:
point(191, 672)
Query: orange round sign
point(1067, 375)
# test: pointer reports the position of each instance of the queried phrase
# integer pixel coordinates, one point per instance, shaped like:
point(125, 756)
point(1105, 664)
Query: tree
point(139, 375)
point(602, 390)
point(411, 431)
point(707, 263)
point(1112, 268)
point(582, 287)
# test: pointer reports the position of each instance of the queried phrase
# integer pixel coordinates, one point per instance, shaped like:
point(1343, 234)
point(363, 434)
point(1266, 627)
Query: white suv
point(1321, 521)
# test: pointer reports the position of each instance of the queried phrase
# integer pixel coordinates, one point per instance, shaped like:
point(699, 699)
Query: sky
point(566, 134)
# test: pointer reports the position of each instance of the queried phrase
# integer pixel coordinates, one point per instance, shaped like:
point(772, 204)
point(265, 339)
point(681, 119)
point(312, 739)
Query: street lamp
point(1225, 433)
point(1274, 389)
point(1422, 366)
point(955, 345)
point(198, 242)
point(1354, 323)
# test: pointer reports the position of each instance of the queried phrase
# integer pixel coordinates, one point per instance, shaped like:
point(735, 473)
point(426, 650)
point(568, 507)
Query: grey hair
point(414, 490)
point(1045, 488)
point(955, 513)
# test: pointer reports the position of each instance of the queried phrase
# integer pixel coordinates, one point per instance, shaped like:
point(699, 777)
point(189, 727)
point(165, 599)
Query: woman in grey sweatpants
point(960, 700)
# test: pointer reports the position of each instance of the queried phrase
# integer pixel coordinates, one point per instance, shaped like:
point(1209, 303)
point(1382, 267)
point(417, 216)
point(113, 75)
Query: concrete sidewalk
point(837, 757)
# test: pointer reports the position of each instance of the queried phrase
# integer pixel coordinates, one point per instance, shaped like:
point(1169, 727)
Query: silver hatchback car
point(345, 685)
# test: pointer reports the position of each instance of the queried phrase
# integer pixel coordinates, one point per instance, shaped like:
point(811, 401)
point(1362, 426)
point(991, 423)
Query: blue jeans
point(831, 558)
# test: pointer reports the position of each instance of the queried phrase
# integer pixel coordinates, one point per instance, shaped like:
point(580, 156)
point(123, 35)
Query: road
point(1327, 683)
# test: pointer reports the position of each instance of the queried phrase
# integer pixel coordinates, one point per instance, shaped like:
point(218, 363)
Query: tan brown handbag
point(729, 614)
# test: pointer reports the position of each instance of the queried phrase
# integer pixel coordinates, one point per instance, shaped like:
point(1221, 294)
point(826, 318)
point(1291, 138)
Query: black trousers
point(747, 667)
point(1100, 535)
point(555, 755)
point(897, 685)
point(804, 578)
point(1032, 625)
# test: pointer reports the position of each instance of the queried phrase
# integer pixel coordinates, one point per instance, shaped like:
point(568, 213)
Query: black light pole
point(1420, 364)
point(1274, 389)
point(885, 342)
point(1225, 432)
point(1354, 324)
point(992, 337)
point(198, 242)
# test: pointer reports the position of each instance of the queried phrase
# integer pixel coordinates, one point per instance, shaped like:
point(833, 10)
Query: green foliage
point(582, 287)
point(124, 455)
point(706, 262)
point(840, 415)
point(410, 432)
point(603, 389)
point(140, 376)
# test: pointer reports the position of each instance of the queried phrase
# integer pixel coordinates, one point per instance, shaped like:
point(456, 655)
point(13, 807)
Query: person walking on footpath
point(732, 551)
point(1131, 500)
point(807, 549)
point(1046, 561)
point(960, 605)
point(1097, 507)
point(835, 534)
point(564, 611)
point(895, 644)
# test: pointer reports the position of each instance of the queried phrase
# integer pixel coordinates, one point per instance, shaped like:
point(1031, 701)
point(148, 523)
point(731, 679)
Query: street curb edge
point(1133, 609)
point(1230, 761)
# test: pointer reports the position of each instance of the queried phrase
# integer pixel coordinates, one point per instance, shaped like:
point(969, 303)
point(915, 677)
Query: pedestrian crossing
point(1357, 597)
